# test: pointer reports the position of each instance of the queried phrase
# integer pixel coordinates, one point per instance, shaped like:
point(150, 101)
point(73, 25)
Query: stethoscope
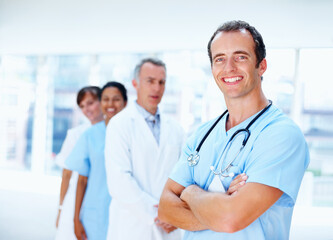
point(193, 159)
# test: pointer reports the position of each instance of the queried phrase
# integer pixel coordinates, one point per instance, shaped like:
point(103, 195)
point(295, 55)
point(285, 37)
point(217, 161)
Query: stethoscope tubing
point(193, 159)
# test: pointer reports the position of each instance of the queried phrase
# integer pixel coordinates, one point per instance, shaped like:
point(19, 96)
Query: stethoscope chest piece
point(193, 159)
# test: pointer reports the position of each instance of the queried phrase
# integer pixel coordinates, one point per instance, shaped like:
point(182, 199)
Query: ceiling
point(106, 26)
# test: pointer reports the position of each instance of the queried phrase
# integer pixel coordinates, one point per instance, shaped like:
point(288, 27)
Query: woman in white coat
point(88, 101)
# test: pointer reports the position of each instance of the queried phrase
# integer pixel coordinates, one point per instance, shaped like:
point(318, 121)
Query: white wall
point(94, 26)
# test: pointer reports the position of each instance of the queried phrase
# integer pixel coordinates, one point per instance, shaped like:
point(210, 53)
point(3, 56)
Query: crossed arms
point(194, 209)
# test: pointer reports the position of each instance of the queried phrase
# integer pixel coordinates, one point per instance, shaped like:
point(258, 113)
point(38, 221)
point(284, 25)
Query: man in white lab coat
point(142, 146)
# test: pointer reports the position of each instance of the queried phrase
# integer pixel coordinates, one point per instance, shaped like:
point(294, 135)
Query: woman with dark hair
point(92, 197)
point(89, 103)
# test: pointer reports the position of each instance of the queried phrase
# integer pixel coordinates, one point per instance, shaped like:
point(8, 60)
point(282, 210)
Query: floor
point(28, 208)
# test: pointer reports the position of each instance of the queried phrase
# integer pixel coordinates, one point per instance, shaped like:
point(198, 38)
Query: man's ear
point(262, 67)
point(135, 84)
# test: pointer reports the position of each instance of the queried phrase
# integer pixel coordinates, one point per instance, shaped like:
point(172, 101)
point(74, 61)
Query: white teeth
point(110, 109)
point(231, 80)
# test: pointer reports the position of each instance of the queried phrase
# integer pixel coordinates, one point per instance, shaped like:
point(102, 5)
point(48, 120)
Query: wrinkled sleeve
point(279, 158)
point(78, 160)
point(121, 184)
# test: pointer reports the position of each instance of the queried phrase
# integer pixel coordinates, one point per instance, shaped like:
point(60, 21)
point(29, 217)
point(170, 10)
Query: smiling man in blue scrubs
point(274, 157)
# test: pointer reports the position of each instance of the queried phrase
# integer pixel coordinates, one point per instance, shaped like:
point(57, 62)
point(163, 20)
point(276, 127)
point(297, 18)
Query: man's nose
point(230, 65)
point(157, 87)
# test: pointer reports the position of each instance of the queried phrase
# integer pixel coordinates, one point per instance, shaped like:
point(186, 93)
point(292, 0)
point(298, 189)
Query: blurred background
point(51, 49)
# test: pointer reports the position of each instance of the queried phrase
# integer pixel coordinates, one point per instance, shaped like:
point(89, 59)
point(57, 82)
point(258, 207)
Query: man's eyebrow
point(236, 52)
point(242, 52)
point(218, 55)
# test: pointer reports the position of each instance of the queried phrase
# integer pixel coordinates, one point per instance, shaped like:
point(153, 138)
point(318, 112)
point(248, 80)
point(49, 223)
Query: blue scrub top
point(87, 158)
point(276, 155)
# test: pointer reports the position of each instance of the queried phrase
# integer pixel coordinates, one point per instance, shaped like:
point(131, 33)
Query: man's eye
point(219, 59)
point(241, 57)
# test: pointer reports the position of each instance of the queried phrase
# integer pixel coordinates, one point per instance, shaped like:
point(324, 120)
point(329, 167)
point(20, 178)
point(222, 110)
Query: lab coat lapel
point(143, 130)
point(165, 131)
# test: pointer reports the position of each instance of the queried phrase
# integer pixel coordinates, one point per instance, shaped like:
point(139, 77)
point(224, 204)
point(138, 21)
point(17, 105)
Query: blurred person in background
point(88, 101)
point(142, 146)
point(87, 158)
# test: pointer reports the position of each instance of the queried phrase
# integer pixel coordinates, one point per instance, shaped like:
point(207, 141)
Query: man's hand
point(80, 233)
point(237, 183)
point(168, 228)
point(188, 191)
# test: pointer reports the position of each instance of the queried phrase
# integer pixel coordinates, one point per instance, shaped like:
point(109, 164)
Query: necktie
point(152, 125)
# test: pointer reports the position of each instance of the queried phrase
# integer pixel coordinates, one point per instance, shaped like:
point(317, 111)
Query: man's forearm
point(177, 213)
point(207, 207)
point(223, 213)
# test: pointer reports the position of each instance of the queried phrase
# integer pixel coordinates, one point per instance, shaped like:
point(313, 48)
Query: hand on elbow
point(187, 192)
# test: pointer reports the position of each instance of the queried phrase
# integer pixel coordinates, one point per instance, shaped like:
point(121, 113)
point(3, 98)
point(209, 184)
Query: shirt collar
point(147, 115)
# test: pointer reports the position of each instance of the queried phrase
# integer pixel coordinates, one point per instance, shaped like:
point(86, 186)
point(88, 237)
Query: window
point(38, 99)
point(17, 79)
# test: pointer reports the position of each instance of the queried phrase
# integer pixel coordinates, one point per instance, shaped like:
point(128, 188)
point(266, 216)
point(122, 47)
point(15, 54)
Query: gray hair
point(154, 61)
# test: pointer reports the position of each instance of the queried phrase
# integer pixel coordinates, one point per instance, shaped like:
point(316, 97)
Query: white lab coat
point(65, 229)
point(137, 170)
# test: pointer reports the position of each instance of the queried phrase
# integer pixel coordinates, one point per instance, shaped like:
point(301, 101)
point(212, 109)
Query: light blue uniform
point(276, 155)
point(87, 158)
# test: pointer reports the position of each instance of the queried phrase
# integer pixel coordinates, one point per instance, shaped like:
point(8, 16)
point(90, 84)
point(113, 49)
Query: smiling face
point(91, 108)
point(112, 102)
point(234, 65)
point(150, 87)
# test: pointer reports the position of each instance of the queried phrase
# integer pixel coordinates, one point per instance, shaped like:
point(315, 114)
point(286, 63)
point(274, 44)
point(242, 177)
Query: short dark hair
point(93, 90)
point(154, 61)
point(231, 26)
point(117, 85)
